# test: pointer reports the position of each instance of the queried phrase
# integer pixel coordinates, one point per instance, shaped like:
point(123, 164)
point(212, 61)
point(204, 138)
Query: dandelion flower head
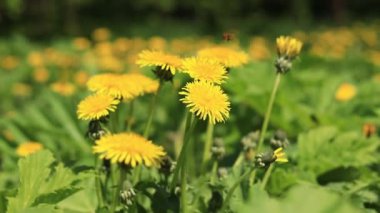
point(128, 148)
point(160, 59)
point(28, 148)
point(205, 69)
point(96, 106)
point(206, 100)
point(226, 56)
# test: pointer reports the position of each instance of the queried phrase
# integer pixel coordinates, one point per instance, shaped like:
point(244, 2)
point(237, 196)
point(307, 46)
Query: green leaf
point(38, 181)
point(320, 200)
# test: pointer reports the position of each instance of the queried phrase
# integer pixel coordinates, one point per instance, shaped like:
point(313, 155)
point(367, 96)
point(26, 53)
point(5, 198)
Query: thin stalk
point(130, 115)
point(238, 160)
point(183, 187)
point(267, 174)
point(116, 198)
point(214, 172)
point(208, 144)
point(115, 194)
point(190, 124)
point(268, 112)
point(98, 185)
point(152, 110)
point(232, 190)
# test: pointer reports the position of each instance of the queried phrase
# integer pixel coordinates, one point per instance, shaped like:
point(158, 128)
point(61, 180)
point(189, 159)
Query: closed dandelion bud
point(288, 49)
point(167, 165)
point(250, 141)
point(218, 149)
point(127, 195)
point(265, 159)
point(222, 172)
point(163, 75)
point(215, 202)
point(279, 140)
point(95, 131)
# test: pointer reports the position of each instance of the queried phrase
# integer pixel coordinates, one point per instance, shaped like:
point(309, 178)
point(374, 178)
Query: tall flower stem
point(190, 124)
point(130, 115)
point(266, 120)
point(152, 110)
point(267, 174)
point(268, 112)
point(214, 172)
point(207, 145)
point(98, 184)
point(116, 198)
point(233, 188)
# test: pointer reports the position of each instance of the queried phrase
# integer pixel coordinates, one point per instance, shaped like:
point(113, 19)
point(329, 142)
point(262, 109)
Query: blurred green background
point(41, 18)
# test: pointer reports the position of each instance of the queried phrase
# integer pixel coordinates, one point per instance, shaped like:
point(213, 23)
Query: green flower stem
point(98, 184)
point(214, 172)
point(183, 187)
point(207, 145)
point(267, 174)
point(238, 160)
point(116, 198)
point(268, 112)
point(190, 124)
point(233, 188)
point(130, 115)
point(152, 110)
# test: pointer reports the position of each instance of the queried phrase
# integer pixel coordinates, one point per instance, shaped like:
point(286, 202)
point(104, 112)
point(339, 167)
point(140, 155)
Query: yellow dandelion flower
point(63, 88)
point(96, 106)
point(21, 89)
point(28, 148)
point(226, 56)
point(345, 92)
point(101, 34)
point(115, 85)
point(160, 59)
point(81, 43)
point(128, 148)
point(9, 62)
point(36, 59)
point(205, 69)
point(41, 75)
point(206, 100)
point(143, 84)
point(288, 46)
point(279, 156)
point(81, 78)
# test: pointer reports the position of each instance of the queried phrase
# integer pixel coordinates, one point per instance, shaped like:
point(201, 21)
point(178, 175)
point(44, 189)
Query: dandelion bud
point(265, 159)
point(127, 195)
point(279, 140)
point(218, 149)
point(222, 172)
point(250, 141)
point(288, 49)
point(163, 74)
point(95, 131)
point(167, 165)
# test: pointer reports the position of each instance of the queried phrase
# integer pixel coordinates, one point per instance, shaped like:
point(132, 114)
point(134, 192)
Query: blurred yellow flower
point(63, 88)
point(35, 59)
point(288, 47)
point(160, 59)
point(279, 155)
point(9, 62)
point(81, 43)
point(96, 106)
point(110, 63)
point(122, 45)
point(81, 78)
point(129, 148)
point(40, 75)
point(21, 89)
point(206, 100)
point(205, 69)
point(258, 49)
point(28, 148)
point(345, 92)
point(101, 34)
point(157, 43)
point(226, 56)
